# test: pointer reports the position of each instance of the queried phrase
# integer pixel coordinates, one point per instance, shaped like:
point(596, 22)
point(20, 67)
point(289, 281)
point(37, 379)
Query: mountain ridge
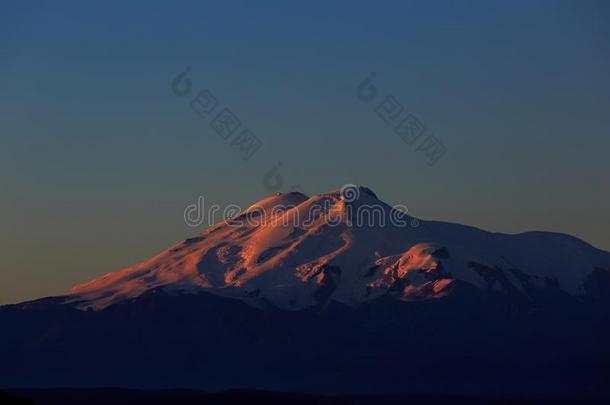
point(295, 251)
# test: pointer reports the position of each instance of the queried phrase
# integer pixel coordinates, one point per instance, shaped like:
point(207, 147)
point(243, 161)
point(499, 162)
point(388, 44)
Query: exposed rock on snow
point(303, 251)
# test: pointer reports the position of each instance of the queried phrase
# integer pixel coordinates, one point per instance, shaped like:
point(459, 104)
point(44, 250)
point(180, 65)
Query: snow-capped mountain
point(292, 252)
point(337, 293)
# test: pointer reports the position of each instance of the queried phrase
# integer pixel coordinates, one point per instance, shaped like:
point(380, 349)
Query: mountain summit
point(292, 252)
point(337, 293)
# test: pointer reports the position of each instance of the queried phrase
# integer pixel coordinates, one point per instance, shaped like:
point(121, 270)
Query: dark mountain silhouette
point(476, 343)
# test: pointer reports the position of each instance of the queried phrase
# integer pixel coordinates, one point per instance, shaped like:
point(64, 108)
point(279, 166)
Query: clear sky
point(99, 157)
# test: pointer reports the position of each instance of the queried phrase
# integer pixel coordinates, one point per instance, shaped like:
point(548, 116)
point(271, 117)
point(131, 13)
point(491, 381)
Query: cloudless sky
point(99, 158)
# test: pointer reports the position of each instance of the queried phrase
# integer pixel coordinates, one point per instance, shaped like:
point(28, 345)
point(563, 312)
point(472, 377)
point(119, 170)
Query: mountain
point(294, 252)
point(338, 293)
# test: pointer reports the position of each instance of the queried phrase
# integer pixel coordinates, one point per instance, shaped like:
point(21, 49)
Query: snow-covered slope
point(293, 252)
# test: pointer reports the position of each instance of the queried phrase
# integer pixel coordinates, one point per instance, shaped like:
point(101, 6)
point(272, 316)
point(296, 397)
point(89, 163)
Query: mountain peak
point(309, 253)
point(352, 192)
point(277, 201)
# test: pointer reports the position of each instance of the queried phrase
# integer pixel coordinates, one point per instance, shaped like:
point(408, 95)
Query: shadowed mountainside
point(472, 343)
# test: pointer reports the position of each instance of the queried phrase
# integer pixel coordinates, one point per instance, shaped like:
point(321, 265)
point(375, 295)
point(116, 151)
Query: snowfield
point(313, 250)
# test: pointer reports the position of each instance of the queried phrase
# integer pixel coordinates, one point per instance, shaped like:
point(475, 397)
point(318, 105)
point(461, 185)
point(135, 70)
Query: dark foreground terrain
point(471, 345)
point(66, 396)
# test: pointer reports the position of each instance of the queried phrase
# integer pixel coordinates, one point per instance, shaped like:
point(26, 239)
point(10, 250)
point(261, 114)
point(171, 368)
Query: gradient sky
point(99, 158)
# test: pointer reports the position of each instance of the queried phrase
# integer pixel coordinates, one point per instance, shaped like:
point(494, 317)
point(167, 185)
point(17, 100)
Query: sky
point(100, 153)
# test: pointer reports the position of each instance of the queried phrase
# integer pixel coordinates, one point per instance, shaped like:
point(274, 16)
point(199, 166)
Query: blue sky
point(99, 157)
